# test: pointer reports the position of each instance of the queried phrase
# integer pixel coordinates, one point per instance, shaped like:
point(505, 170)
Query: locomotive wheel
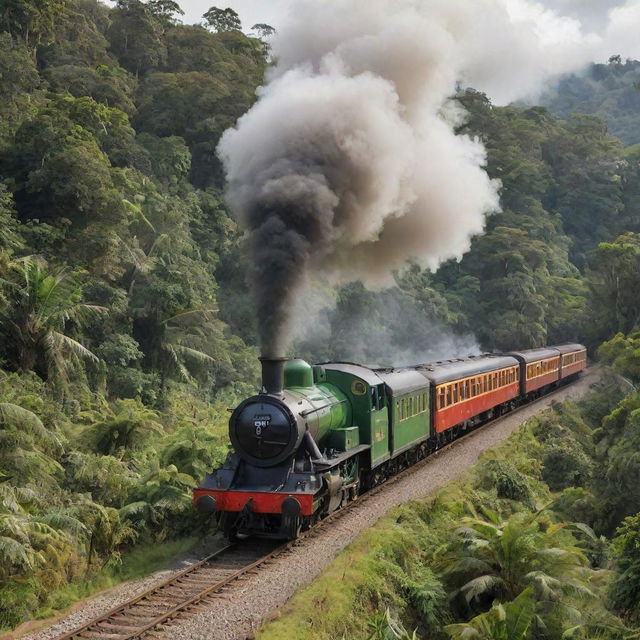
point(292, 526)
point(229, 531)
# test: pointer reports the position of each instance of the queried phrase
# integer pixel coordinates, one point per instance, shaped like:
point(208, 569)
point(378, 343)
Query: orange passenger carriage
point(465, 391)
point(540, 368)
point(573, 359)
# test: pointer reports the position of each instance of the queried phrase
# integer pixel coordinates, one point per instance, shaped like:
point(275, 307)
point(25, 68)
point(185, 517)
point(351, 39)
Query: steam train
point(316, 437)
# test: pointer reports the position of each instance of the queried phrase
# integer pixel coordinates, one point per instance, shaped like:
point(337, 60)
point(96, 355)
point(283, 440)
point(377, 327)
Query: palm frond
point(13, 553)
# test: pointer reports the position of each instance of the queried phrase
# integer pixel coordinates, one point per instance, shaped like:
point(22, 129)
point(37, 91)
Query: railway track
point(179, 594)
point(187, 591)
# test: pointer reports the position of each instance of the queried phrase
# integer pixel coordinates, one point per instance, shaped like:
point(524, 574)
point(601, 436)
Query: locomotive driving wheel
point(292, 526)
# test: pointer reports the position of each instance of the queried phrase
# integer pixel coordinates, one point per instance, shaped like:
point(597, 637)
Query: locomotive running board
point(332, 462)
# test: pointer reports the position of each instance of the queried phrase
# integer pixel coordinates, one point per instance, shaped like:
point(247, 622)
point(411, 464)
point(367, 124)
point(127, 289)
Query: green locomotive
point(306, 445)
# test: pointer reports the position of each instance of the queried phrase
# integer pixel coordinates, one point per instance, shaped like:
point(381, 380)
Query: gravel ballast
point(239, 611)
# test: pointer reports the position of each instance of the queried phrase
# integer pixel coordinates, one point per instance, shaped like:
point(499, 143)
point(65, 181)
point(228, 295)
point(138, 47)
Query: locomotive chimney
point(272, 374)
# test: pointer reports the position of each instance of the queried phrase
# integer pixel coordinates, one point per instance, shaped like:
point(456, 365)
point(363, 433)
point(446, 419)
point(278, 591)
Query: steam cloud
point(349, 163)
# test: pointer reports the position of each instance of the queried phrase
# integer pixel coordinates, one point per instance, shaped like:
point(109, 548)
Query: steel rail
point(154, 597)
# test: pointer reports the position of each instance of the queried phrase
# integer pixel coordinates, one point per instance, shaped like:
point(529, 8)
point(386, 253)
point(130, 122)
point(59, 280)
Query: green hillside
point(610, 91)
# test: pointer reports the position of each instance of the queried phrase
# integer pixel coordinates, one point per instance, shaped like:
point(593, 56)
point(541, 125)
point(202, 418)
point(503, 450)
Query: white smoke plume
point(349, 164)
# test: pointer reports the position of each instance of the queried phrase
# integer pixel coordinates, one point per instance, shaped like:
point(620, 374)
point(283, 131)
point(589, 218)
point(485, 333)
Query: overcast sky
point(250, 11)
point(592, 13)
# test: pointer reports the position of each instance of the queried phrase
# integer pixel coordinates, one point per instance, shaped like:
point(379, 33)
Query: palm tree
point(125, 427)
point(39, 308)
point(193, 450)
point(509, 621)
point(185, 342)
point(27, 542)
point(160, 496)
point(490, 560)
point(29, 449)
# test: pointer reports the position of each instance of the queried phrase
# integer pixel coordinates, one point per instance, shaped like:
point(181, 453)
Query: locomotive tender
point(316, 437)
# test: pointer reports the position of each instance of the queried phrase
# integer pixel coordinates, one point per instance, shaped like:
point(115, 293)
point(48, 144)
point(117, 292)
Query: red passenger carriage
point(539, 368)
point(573, 359)
point(463, 391)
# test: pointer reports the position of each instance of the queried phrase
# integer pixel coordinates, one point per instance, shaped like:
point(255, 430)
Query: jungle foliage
point(126, 324)
point(116, 363)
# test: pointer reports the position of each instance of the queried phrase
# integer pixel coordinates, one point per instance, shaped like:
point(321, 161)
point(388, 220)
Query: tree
point(158, 498)
point(625, 589)
point(165, 10)
point(493, 560)
point(222, 19)
point(614, 280)
point(136, 37)
point(33, 20)
point(263, 30)
point(41, 306)
point(623, 354)
point(124, 428)
point(10, 238)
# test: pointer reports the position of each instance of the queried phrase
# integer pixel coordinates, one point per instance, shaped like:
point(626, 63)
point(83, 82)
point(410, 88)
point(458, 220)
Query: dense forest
point(126, 324)
point(609, 91)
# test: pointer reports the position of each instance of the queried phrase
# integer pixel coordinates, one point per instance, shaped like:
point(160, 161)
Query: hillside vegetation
point(610, 91)
point(126, 324)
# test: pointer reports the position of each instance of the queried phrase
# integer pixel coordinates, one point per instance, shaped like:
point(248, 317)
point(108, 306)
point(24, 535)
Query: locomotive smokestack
point(272, 374)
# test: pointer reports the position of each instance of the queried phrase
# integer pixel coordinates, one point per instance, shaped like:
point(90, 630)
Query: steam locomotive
point(316, 437)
